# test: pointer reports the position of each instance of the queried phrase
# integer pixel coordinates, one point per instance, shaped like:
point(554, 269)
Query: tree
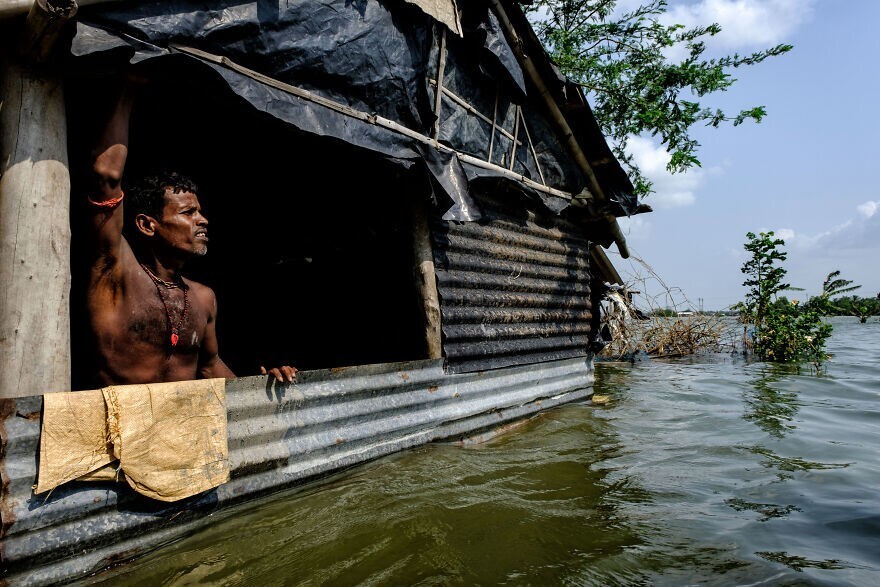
point(831, 287)
point(783, 331)
point(622, 61)
point(834, 286)
point(765, 277)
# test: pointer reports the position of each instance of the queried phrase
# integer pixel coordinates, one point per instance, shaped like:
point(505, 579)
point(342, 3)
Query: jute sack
point(169, 438)
point(74, 439)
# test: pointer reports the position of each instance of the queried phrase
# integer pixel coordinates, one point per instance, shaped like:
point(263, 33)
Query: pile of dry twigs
point(639, 323)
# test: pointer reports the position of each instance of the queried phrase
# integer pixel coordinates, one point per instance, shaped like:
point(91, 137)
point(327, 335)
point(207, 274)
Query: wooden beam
point(34, 235)
point(426, 278)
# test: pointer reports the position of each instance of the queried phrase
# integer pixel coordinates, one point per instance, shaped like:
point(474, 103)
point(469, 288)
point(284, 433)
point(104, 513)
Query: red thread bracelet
point(107, 203)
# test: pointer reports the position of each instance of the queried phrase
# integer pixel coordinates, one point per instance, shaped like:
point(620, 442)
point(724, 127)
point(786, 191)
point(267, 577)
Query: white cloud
point(785, 234)
point(868, 209)
point(857, 233)
point(850, 246)
point(745, 24)
point(671, 190)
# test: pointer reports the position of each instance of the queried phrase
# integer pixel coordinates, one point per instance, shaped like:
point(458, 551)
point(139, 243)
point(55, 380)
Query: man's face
point(182, 226)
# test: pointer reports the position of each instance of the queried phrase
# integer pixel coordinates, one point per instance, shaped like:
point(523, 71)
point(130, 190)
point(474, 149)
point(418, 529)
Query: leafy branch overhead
point(622, 61)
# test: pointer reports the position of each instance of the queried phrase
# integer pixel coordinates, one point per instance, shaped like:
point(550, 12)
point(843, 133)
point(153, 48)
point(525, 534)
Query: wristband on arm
point(112, 203)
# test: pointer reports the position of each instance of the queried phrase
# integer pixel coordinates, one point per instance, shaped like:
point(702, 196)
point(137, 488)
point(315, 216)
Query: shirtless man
point(149, 322)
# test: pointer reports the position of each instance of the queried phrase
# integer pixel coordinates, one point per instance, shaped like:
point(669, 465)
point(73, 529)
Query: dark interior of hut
point(310, 249)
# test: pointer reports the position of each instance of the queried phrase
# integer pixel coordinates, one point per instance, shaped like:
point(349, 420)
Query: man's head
point(165, 211)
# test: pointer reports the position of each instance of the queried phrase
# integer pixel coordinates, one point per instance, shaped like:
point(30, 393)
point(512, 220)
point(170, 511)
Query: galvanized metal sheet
point(513, 290)
point(279, 436)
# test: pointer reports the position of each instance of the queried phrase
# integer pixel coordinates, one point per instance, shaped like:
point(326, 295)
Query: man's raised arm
point(105, 196)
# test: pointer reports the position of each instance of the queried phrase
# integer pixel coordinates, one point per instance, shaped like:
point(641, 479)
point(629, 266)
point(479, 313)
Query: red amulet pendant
point(174, 339)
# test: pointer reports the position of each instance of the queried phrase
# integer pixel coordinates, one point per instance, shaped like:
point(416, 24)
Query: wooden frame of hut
point(409, 185)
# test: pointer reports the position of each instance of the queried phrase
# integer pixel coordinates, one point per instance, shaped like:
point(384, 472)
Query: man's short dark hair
point(147, 196)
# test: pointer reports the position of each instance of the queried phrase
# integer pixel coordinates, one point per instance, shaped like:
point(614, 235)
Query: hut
point(409, 202)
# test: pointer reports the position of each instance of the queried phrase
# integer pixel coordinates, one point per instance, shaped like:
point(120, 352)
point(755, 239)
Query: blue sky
point(808, 171)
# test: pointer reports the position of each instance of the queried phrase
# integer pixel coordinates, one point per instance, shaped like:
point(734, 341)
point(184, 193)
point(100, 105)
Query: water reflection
point(799, 563)
point(767, 510)
point(768, 407)
point(791, 464)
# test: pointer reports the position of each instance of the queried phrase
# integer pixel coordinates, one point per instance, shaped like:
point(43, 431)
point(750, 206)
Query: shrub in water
point(782, 331)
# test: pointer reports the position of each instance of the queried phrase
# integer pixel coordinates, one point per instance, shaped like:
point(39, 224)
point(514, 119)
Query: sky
point(808, 172)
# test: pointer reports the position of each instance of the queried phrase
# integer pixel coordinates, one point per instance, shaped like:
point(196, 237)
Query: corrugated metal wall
point(278, 437)
point(513, 290)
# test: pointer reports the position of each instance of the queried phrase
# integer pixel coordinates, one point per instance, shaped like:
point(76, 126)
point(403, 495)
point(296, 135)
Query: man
point(150, 323)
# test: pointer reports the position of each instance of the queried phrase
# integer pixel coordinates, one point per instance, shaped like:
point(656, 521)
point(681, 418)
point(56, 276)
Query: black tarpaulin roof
point(366, 72)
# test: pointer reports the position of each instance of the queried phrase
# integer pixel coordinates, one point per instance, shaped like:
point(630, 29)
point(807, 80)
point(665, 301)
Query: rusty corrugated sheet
point(513, 290)
point(278, 437)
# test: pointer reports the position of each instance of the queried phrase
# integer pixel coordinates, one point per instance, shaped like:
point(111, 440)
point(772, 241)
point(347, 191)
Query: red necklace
point(175, 330)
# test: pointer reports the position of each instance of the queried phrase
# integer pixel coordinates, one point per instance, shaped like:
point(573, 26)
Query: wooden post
point(44, 24)
point(14, 8)
point(426, 279)
point(34, 234)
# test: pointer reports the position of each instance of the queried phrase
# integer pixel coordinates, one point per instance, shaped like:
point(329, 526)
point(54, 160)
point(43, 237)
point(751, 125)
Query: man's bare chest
point(173, 323)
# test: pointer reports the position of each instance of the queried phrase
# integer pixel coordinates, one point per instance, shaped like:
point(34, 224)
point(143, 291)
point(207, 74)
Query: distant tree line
point(853, 306)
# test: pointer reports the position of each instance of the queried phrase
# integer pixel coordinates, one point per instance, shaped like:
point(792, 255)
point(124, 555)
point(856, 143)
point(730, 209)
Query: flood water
point(708, 471)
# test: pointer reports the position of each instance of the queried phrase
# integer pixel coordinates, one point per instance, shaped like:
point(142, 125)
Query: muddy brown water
point(706, 471)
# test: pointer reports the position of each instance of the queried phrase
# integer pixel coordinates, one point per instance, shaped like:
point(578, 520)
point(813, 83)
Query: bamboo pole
point(516, 116)
point(471, 110)
point(426, 279)
point(34, 235)
point(438, 91)
point(368, 118)
point(494, 126)
point(532, 149)
point(561, 123)
point(603, 266)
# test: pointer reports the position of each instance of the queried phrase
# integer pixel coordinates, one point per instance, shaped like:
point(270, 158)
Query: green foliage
point(832, 286)
point(792, 335)
point(863, 308)
point(621, 60)
point(784, 332)
point(765, 278)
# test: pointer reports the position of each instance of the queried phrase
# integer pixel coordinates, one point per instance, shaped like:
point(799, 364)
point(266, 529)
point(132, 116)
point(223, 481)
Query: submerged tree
point(622, 61)
point(782, 332)
point(765, 276)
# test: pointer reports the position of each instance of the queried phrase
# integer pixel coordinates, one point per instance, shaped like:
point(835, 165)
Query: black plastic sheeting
point(374, 56)
point(514, 288)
